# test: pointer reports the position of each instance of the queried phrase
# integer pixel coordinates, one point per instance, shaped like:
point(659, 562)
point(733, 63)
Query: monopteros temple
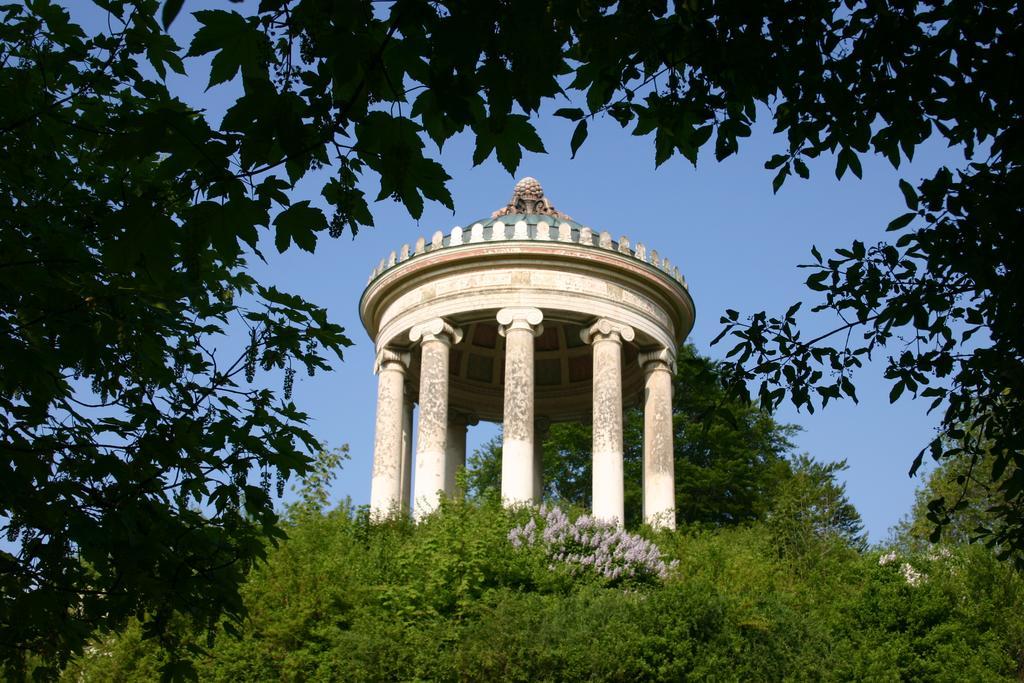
point(527, 318)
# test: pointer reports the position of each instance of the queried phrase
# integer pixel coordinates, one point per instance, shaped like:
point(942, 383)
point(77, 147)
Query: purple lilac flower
point(588, 543)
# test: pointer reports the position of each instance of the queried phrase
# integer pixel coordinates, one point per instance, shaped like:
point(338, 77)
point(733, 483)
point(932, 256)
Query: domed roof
point(529, 204)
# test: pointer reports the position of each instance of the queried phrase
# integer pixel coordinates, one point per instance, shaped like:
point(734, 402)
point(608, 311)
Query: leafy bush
point(451, 598)
point(589, 546)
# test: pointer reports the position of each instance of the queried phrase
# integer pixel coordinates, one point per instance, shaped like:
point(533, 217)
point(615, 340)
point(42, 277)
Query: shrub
point(588, 546)
point(451, 598)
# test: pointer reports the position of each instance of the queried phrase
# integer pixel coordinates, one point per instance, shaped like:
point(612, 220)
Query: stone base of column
point(517, 472)
point(458, 425)
point(540, 435)
point(430, 482)
point(659, 501)
point(609, 489)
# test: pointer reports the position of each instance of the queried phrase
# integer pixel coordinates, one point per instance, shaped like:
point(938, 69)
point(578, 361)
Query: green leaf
point(299, 223)
point(578, 137)
point(238, 42)
point(663, 147)
point(801, 169)
point(816, 281)
point(392, 147)
point(574, 114)
point(779, 179)
point(909, 195)
point(507, 136)
point(901, 221)
point(170, 11)
point(855, 166)
point(847, 159)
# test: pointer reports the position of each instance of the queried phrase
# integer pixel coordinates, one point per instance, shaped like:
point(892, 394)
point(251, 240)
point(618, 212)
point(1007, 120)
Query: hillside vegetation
point(459, 597)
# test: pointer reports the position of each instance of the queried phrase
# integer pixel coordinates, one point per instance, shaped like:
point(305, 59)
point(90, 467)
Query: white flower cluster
point(912, 576)
point(591, 545)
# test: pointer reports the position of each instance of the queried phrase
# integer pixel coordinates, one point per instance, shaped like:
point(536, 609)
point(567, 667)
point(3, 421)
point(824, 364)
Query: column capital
point(463, 420)
point(657, 359)
point(391, 359)
point(438, 329)
point(604, 328)
point(514, 318)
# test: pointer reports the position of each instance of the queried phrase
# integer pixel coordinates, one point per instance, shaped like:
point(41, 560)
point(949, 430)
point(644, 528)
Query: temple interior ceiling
point(563, 372)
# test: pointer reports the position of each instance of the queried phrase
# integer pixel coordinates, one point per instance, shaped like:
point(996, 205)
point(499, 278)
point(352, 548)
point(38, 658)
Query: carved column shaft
point(608, 487)
point(436, 338)
point(407, 452)
point(540, 434)
point(458, 426)
point(519, 326)
point(659, 456)
point(386, 483)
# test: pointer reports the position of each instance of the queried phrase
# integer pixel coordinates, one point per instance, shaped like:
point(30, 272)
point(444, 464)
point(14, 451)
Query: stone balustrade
point(542, 231)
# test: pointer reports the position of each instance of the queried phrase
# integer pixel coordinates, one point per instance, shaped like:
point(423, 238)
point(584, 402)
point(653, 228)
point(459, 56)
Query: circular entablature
point(528, 255)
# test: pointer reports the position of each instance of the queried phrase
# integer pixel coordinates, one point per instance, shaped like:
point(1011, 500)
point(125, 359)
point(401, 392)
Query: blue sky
point(737, 244)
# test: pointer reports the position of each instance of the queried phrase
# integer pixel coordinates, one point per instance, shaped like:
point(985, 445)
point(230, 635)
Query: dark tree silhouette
point(127, 218)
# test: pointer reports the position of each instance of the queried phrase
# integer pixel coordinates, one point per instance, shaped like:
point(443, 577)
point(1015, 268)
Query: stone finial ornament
point(528, 198)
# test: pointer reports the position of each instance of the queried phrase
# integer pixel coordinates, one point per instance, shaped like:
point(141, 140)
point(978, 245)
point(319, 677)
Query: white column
point(407, 451)
point(540, 433)
point(455, 458)
point(606, 337)
point(436, 338)
point(386, 482)
point(519, 326)
point(659, 455)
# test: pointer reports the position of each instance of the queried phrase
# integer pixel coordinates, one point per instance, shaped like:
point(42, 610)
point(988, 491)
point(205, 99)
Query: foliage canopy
point(452, 599)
